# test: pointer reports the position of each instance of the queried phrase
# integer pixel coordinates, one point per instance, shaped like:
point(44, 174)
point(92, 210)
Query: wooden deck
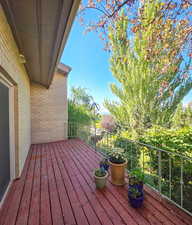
point(56, 188)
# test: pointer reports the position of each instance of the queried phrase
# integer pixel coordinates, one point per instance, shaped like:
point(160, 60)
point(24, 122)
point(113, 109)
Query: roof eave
point(71, 17)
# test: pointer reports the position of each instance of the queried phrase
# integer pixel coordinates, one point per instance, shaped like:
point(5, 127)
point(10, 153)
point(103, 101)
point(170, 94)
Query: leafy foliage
point(134, 192)
point(173, 140)
point(183, 116)
point(106, 13)
point(117, 155)
point(153, 77)
point(100, 172)
point(79, 96)
point(80, 109)
point(137, 176)
point(78, 114)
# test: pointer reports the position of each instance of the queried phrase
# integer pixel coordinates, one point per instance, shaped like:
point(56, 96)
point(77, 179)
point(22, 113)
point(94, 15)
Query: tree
point(78, 114)
point(107, 13)
point(149, 66)
point(80, 96)
point(183, 116)
point(80, 110)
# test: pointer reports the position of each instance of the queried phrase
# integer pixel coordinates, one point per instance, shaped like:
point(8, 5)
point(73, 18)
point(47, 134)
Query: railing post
point(107, 140)
point(181, 182)
point(131, 155)
point(95, 142)
point(170, 174)
point(143, 160)
point(159, 169)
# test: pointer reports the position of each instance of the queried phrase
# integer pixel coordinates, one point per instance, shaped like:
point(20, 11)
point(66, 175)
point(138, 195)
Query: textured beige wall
point(49, 111)
point(10, 62)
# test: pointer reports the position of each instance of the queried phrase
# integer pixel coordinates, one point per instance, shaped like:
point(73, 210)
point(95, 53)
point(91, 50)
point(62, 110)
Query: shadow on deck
point(57, 188)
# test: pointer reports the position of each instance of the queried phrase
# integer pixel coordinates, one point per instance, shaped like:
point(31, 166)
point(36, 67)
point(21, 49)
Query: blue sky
point(90, 65)
point(89, 62)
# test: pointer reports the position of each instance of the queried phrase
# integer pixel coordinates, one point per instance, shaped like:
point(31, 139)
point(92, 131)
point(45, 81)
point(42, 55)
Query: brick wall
point(49, 111)
point(10, 62)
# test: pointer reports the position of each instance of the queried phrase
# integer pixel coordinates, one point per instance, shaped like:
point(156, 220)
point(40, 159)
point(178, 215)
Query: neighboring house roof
point(40, 29)
point(63, 69)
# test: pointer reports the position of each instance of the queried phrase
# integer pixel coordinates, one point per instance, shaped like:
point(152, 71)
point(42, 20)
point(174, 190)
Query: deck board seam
point(44, 148)
point(53, 151)
point(32, 164)
point(32, 185)
point(53, 174)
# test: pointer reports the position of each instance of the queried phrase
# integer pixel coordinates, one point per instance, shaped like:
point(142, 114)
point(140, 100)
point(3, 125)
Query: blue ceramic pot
point(105, 166)
point(136, 202)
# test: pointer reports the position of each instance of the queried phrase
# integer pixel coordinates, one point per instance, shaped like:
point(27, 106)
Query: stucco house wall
point(14, 70)
point(49, 111)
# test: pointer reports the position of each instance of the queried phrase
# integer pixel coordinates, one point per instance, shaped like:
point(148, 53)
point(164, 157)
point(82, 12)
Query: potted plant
point(100, 176)
point(136, 179)
point(135, 197)
point(104, 163)
point(117, 164)
point(135, 188)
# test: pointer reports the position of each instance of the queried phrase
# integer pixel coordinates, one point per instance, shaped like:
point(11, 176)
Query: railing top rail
point(140, 143)
point(162, 150)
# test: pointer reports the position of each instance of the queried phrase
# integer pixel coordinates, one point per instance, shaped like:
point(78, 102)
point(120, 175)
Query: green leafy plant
point(136, 176)
point(117, 155)
point(134, 192)
point(100, 172)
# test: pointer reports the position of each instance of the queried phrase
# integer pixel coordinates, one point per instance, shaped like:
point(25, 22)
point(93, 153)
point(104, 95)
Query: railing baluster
point(143, 159)
point(159, 169)
point(170, 174)
point(126, 152)
point(131, 155)
point(107, 141)
point(181, 182)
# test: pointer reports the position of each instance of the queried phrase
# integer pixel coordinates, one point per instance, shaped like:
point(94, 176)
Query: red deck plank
point(57, 188)
point(77, 207)
point(45, 203)
point(34, 210)
point(12, 211)
point(65, 201)
point(56, 211)
point(7, 201)
point(23, 213)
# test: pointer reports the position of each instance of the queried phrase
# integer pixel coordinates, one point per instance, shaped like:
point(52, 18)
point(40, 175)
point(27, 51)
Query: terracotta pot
point(118, 173)
point(100, 182)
